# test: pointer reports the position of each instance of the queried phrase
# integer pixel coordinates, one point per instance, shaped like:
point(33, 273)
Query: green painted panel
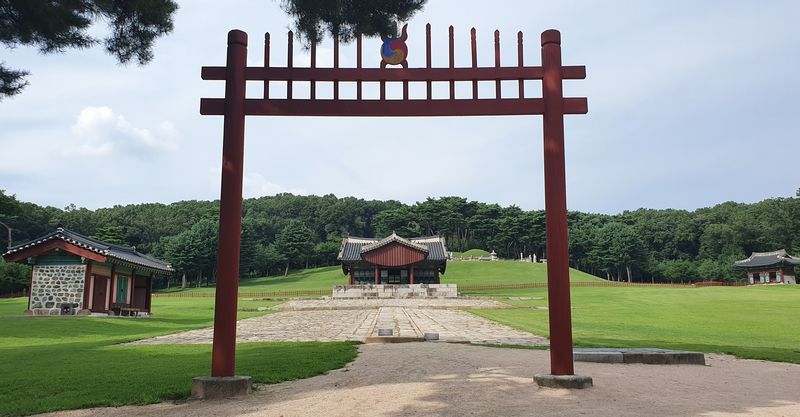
point(58, 260)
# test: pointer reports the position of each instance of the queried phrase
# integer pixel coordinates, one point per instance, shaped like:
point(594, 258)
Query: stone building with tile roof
point(775, 267)
point(393, 259)
point(75, 274)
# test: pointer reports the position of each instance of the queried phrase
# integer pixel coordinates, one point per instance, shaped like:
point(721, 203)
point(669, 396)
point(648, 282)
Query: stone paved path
point(351, 323)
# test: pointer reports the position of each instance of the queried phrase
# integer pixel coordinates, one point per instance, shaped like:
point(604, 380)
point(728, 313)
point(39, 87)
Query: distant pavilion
point(393, 259)
point(770, 267)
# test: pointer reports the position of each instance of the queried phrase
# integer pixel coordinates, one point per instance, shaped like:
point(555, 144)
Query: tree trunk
point(628, 267)
point(199, 278)
point(183, 281)
point(286, 271)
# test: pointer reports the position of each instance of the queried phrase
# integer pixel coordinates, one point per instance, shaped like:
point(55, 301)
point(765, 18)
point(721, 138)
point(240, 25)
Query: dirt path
point(440, 379)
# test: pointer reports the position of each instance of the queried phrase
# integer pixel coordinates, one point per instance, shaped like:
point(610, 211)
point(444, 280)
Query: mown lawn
point(503, 272)
point(56, 363)
point(750, 322)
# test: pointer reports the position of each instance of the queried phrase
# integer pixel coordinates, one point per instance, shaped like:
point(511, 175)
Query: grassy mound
point(474, 253)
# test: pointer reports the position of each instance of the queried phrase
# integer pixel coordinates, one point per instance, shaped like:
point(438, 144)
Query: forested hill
point(306, 230)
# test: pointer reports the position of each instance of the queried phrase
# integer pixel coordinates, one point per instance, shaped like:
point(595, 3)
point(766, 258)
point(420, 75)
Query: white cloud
point(254, 184)
point(100, 131)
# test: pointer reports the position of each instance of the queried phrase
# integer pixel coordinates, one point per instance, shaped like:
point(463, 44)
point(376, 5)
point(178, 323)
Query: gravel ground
point(441, 379)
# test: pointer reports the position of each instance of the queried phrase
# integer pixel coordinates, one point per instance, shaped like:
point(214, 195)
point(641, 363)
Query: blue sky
point(690, 104)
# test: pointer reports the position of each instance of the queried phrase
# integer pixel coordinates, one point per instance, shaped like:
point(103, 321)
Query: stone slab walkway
point(328, 324)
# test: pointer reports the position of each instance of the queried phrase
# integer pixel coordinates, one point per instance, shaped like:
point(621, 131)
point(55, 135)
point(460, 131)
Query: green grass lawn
point(56, 363)
point(749, 322)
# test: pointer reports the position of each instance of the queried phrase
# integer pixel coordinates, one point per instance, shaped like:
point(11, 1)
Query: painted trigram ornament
point(394, 50)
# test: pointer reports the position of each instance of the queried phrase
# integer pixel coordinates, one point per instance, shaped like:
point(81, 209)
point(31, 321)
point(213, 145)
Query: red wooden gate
point(235, 106)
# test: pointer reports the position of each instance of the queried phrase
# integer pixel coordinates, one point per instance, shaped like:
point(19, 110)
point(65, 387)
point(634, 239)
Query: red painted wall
point(394, 254)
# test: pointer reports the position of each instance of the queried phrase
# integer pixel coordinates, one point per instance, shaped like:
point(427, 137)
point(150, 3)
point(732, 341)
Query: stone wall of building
point(396, 291)
point(54, 285)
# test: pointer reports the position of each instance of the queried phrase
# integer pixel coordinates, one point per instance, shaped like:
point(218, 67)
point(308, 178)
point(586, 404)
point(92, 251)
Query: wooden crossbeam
point(392, 108)
point(577, 72)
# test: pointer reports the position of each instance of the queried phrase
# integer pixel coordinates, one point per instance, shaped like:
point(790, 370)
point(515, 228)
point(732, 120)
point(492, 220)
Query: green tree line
point(289, 231)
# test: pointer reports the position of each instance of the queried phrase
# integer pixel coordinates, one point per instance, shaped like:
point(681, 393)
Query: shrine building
point(393, 260)
point(770, 267)
point(75, 274)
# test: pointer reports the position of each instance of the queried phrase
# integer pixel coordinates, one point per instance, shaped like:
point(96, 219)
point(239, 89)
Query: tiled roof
point(353, 247)
point(393, 238)
point(761, 259)
point(115, 253)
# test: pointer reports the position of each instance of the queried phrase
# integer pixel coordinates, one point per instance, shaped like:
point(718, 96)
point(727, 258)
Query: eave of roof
point(116, 254)
point(765, 259)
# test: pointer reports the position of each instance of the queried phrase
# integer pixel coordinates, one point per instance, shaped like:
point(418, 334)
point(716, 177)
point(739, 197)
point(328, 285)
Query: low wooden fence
point(247, 294)
point(461, 288)
point(14, 295)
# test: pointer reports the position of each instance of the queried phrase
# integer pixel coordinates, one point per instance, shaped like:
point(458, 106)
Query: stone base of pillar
point(563, 381)
point(210, 388)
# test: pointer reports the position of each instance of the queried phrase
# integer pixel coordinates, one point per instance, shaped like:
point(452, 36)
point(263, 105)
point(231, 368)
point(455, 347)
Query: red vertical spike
point(497, 87)
point(428, 58)
point(358, 65)
point(473, 41)
point(520, 64)
point(266, 64)
point(452, 64)
point(313, 65)
point(336, 65)
point(290, 63)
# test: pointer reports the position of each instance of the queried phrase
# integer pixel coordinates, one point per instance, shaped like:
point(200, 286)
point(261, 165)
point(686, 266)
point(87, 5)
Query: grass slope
point(56, 363)
point(749, 322)
point(502, 272)
point(458, 272)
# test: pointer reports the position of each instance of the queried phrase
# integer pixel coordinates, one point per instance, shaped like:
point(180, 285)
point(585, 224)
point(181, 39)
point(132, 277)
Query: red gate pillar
point(555, 201)
point(223, 355)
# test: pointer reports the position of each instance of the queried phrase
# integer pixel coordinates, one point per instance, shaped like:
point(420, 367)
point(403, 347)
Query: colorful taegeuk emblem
point(394, 50)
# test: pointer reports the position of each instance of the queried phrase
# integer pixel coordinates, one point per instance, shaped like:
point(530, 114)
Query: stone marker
point(431, 336)
point(385, 332)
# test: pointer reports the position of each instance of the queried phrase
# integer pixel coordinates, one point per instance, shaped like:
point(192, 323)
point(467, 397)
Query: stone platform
point(639, 355)
point(361, 320)
point(382, 291)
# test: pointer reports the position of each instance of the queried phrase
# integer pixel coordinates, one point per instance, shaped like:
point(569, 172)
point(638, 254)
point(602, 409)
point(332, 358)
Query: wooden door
point(100, 294)
point(139, 299)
